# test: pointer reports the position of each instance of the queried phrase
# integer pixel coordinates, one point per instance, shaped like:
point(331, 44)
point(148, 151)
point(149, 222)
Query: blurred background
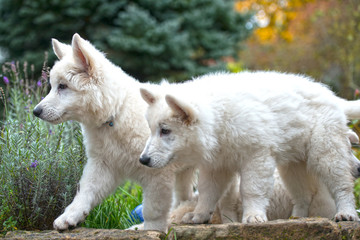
point(177, 39)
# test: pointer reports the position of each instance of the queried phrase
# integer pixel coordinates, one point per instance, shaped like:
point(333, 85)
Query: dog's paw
point(343, 216)
point(196, 218)
point(254, 219)
point(187, 218)
point(62, 223)
point(136, 227)
point(66, 221)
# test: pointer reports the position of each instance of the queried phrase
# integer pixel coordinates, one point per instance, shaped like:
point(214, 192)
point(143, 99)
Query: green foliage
point(114, 212)
point(355, 126)
point(40, 164)
point(148, 39)
point(357, 194)
point(235, 67)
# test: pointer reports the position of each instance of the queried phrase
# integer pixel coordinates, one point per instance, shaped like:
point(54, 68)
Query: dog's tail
point(351, 109)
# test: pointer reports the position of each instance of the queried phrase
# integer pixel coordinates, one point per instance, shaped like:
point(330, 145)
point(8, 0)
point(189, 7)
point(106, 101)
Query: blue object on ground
point(137, 214)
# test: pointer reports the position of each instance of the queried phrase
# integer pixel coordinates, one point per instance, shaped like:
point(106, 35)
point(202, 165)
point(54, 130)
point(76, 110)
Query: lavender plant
point(40, 164)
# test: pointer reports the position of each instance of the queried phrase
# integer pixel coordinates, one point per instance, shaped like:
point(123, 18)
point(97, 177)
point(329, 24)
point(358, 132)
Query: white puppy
point(88, 88)
point(245, 123)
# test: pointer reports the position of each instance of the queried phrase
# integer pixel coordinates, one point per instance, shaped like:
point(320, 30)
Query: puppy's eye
point(62, 86)
point(164, 131)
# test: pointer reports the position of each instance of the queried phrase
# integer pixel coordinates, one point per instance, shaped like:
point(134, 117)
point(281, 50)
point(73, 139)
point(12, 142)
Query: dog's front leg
point(157, 198)
point(184, 186)
point(212, 185)
point(256, 186)
point(96, 183)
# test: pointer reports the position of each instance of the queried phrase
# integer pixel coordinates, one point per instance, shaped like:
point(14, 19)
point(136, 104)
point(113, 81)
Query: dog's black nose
point(37, 111)
point(145, 160)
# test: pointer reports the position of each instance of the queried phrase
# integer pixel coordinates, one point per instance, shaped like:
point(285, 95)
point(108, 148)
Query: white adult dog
point(87, 88)
point(245, 123)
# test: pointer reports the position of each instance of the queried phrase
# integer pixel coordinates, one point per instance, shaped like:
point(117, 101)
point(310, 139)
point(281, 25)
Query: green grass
point(115, 210)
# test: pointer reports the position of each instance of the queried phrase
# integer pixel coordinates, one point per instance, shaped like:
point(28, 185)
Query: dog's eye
point(164, 131)
point(62, 86)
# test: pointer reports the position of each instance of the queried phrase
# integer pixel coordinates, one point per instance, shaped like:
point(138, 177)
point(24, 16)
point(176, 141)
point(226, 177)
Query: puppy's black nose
point(145, 160)
point(37, 111)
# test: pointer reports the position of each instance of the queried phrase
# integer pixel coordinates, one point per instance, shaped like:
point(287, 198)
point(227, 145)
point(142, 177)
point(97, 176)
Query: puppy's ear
point(148, 96)
point(184, 111)
point(81, 53)
point(60, 49)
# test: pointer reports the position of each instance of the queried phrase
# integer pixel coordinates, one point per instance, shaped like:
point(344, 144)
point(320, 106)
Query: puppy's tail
point(351, 109)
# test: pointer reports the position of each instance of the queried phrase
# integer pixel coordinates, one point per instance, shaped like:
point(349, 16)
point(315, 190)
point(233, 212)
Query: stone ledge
point(86, 233)
point(303, 228)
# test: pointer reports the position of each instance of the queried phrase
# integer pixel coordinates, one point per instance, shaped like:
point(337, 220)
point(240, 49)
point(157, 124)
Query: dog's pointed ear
point(148, 96)
point(81, 54)
point(60, 49)
point(183, 110)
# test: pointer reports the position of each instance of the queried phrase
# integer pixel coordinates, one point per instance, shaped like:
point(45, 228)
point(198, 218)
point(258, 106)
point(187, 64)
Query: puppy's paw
point(254, 219)
point(187, 218)
point(66, 221)
point(196, 218)
point(201, 218)
point(136, 227)
point(343, 216)
point(62, 223)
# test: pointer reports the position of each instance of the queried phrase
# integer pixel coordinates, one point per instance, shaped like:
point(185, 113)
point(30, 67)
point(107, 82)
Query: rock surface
point(303, 228)
point(86, 233)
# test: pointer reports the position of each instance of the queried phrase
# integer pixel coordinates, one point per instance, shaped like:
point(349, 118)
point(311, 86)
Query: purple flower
point(6, 80)
point(34, 164)
point(38, 83)
point(50, 132)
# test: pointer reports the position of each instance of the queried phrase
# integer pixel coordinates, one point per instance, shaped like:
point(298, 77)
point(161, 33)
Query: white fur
point(247, 124)
point(96, 93)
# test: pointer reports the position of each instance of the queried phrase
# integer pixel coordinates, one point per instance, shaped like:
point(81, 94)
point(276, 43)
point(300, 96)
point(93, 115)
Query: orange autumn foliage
point(315, 37)
point(273, 17)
